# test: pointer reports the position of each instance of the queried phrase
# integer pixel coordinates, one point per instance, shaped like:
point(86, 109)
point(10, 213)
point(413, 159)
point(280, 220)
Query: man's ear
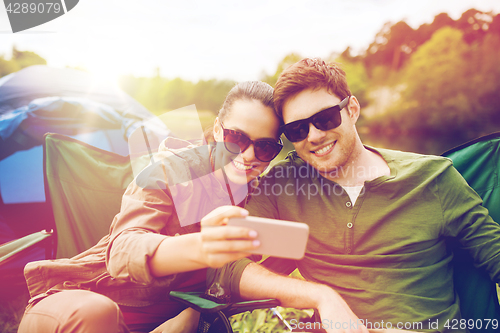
point(353, 109)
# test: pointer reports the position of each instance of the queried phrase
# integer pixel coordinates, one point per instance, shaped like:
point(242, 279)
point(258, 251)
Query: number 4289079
point(471, 324)
point(25, 7)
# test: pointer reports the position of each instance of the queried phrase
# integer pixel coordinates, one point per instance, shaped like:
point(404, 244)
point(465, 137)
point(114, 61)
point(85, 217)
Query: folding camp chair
point(84, 185)
point(16, 253)
point(479, 163)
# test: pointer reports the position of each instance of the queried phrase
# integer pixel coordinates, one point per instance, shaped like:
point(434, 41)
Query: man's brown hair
point(309, 73)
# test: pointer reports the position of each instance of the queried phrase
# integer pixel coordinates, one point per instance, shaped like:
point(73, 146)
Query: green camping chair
point(479, 163)
point(84, 185)
point(15, 254)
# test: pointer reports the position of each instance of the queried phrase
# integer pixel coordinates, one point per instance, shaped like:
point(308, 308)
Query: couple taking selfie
point(379, 222)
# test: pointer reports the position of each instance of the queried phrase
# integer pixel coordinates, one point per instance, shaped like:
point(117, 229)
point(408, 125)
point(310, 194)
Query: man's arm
point(468, 221)
point(257, 283)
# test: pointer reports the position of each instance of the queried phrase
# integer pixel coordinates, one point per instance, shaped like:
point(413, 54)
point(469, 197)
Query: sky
point(221, 39)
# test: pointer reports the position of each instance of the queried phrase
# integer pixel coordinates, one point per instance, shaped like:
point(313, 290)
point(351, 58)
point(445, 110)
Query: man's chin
point(323, 166)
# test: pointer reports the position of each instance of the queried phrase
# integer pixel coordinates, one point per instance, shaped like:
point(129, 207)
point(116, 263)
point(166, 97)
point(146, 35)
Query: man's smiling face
point(324, 150)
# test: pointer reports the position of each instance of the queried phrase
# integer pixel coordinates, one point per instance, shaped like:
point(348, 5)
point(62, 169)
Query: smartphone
point(284, 239)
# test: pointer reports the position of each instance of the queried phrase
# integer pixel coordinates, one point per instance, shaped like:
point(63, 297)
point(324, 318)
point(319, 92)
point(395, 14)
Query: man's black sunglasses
point(264, 149)
point(323, 120)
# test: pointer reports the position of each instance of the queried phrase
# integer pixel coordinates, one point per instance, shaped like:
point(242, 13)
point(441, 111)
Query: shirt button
point(349, 225)
point(348, 250)
point(348, 204)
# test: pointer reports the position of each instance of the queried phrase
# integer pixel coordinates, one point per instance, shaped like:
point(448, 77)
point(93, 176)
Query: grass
point(265, 320)
point(11, 311)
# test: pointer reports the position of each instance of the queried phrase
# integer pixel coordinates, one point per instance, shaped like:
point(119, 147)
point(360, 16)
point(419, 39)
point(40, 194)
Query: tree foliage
point(356, 75)
point(451, 90)
point(395, 43)
point(19, 60)
point(440, 79)
point(159, 94)
point(287, 61)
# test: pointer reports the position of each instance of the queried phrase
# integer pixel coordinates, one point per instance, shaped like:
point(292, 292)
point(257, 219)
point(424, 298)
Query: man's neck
point(364, 165)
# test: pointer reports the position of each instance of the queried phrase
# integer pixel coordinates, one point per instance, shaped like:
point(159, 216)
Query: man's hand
point(257, 282)
point(184, 322)
point(335, 314)
point(221, 243)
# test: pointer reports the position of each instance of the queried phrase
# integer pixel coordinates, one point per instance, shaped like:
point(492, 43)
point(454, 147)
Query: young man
point(379, 219)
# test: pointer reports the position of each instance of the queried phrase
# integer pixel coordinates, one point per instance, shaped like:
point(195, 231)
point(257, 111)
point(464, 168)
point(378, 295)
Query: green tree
point(356, 75)
point(435, 73)
point(7, 66)
point(24, 59)
point(19, 60)
point(437, 79)
point(287, 61)
point(177, 93)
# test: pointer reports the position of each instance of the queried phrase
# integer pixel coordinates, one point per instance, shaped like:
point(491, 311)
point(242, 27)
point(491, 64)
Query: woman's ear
point(217, 130)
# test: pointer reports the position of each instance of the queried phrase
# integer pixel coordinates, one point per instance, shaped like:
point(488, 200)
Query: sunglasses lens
point(296, 131)
point(327, 119)
point(324, 120)
point(265, 151)
point(235, 142)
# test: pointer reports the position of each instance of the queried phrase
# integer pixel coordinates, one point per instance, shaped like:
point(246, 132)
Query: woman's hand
point(222, 243)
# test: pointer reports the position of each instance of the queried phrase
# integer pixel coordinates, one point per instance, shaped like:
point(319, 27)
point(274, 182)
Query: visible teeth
point(241, 166)
point(324, 149)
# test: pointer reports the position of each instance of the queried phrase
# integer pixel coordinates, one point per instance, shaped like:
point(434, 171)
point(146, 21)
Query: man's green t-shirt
point(387, 254)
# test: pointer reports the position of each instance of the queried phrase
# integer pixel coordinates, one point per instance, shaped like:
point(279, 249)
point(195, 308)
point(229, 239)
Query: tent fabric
point(21, 136)
point(58, 114)
point(479, 163)
point(85, 185)
point(20, 88)
point(26, 125)
point(41, 99)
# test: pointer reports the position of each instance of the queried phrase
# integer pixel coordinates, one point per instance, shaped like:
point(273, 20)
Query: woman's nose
point(249, 153)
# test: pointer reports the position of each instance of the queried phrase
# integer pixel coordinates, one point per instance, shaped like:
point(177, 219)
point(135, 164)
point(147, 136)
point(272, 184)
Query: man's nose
point(315, 134)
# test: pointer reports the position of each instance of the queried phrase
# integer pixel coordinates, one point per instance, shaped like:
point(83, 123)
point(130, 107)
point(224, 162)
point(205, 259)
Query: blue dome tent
point(40, 99)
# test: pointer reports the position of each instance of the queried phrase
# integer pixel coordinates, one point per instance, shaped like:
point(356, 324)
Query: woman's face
point(256, 121)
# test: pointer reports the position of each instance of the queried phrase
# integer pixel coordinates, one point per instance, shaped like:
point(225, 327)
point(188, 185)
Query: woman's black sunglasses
point(323, 120)
point(264, 149)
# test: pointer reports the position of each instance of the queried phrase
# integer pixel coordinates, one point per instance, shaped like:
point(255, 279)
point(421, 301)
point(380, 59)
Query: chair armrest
point(11, 248)
point(203, 305)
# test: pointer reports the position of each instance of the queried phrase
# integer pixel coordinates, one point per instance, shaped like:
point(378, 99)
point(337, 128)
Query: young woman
point(156, 244)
